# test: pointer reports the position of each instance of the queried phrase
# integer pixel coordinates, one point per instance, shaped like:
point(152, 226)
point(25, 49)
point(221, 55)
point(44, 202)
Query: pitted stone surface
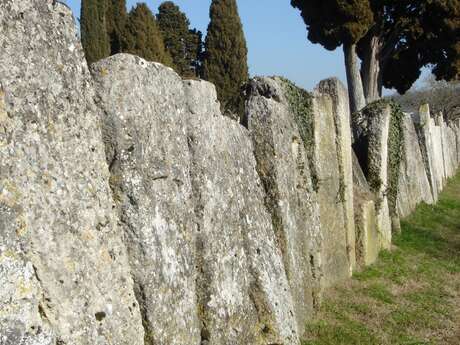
point(283, 166)
point(64, 274)
point(146, 144)
point(244, 296)
point(413, 186)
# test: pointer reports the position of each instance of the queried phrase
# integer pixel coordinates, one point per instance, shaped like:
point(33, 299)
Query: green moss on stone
point(301, 105)
point(395, 154)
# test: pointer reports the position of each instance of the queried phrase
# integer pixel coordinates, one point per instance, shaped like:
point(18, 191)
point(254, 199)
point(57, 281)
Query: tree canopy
point(394, 38)
point(94, 36)
point(116, 17)
point(143, 36)
point(183, 44)
point(225, 57)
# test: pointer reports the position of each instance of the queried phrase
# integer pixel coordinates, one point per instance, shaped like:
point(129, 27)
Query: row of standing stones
point(133, 212)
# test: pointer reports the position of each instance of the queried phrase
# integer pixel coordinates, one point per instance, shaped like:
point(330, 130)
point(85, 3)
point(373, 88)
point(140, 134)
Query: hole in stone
point(258, 251)
point(100, 315)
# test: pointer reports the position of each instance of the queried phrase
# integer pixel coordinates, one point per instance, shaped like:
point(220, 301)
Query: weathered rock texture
point(371, 132)
point(201, 244)
point(283, 165)
point(133, 213)
point(303, 147)
point(64, 272)
point(413, 187)
point(243, 294)
point(146, 147)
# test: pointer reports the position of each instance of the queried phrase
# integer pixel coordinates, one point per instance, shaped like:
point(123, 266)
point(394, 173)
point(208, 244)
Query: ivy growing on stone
point(301, 105)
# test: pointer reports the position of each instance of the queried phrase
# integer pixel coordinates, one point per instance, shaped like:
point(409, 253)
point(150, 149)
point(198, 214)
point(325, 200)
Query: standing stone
point(334, 183)
point(341, 113)
point(413, 181)
point(424, 130)
point(366, 233)
point(243, 293)
point(284, 168)
point(145, 135)
point(371, 132)
point(64, 272)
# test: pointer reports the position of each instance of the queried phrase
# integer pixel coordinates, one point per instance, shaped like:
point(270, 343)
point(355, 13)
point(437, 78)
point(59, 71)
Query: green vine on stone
point(300, 103)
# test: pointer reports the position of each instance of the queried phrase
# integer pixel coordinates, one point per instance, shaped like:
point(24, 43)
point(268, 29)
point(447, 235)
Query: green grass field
point(411, 295)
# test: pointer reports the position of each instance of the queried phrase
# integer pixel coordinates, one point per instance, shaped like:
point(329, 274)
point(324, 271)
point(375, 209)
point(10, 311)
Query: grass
point(411, 296)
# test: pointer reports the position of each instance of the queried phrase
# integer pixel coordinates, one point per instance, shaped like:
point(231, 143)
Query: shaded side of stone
point(284, 168)
point(243, 292)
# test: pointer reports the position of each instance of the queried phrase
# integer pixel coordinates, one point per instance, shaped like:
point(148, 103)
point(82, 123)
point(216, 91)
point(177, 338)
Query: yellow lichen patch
point(104, 72)
point(69, 264)
point(8, 255)
point(21, 230)
point(23, 289)
point(105, 257)
point(9, 193)
point(3, 115)
point(87, 236)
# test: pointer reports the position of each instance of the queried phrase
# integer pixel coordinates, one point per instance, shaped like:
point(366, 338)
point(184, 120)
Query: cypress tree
point(94, 36)
point(115, 21)
point(225, 57)
point(183, 44)
point(143, 36)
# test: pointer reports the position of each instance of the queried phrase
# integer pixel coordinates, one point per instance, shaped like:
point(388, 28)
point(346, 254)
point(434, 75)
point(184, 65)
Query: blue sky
point(276, 38)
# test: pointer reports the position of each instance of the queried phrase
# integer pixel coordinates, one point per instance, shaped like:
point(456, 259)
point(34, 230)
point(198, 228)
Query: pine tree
point(225, 57)
point(94, 36)
point(143, 36)
point(183, 44)
point(116, 18)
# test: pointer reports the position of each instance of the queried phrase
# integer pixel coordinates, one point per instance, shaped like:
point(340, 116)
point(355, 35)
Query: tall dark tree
point(406, 36)
point(333, 23)
point(116, 18)
point(143, 36)
point(94, 36)
point(225, 57)
point(396, 38)
point(183, 44)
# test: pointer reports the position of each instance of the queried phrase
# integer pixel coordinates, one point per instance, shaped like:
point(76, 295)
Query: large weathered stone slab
point(147, 150)
point(367, 237)
point(424, 130)
point(284, 167)
point(371, 132)
point(334, 89)
point(64, 273)
point(244, 296)
point(413, 181)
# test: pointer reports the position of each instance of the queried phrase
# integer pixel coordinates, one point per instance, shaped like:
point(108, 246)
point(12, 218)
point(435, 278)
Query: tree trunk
point(371, 70)
point(354, 81)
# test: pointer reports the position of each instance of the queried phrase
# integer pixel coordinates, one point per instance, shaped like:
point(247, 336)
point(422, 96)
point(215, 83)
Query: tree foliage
point(116, 18)
point(225, 57)
point(395, 38)
point(183, 44)
point(143, 36)
point(94, 37)
point(332, 23)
